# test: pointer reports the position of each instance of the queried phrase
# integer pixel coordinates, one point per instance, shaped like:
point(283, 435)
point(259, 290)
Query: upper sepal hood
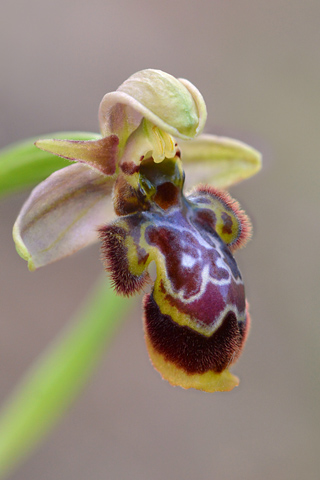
point(173, 105)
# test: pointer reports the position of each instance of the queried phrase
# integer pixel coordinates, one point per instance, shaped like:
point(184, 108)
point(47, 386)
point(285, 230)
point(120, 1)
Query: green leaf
point(22, 165)
point(57, 376)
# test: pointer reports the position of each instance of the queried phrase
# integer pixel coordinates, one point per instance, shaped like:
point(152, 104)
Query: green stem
point(57, 376)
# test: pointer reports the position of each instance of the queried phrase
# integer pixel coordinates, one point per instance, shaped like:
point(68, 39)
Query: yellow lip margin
point(209, 381)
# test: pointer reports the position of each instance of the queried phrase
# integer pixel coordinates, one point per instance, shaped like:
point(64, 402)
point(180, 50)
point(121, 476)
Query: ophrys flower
point(196, 319)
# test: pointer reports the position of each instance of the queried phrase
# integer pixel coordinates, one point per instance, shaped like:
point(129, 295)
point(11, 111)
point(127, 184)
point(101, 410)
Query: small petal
point(173, 105)
point(218, 161)
point(100, 154)
point(62, 215)
point(22, 165)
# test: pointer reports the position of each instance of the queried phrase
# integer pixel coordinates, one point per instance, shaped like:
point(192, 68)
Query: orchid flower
point(127, 188)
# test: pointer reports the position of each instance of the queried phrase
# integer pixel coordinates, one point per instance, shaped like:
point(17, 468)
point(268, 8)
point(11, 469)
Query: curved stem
point(57, 376)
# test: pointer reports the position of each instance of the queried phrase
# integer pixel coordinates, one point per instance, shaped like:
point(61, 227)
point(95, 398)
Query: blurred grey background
point(258, 66)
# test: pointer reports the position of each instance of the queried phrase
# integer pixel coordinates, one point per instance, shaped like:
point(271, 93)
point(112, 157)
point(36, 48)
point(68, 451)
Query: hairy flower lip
point(195, 319)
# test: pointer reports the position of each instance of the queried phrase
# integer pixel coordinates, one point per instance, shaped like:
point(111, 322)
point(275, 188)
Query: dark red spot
point(129, 168)
point(167, 195)
point(227, 223)
point(205, 218)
